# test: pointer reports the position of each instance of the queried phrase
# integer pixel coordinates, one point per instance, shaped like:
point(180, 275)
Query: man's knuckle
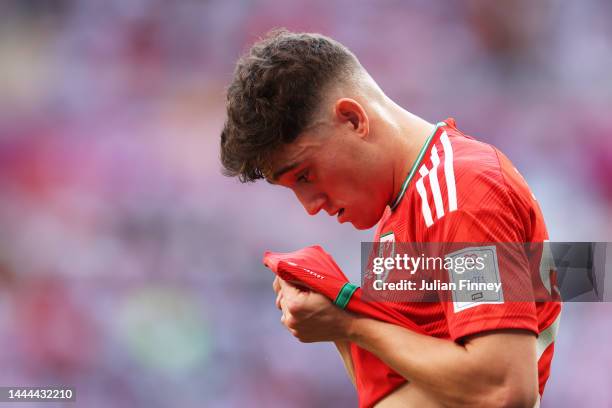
point(294, 306)
point(291, 322)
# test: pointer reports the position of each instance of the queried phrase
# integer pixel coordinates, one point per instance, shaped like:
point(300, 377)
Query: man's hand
point(310, 316)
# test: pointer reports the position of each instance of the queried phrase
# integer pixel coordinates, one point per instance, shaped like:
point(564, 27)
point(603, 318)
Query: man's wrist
point(353, 327)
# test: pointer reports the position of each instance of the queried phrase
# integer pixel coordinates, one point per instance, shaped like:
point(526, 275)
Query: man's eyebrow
point(278, 173)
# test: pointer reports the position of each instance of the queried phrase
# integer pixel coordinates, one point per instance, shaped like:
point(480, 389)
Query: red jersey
point(460, 190)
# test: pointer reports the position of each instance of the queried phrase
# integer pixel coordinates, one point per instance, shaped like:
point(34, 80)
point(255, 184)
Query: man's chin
point(363, 225)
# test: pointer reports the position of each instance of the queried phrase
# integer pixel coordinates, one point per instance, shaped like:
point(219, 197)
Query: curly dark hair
point(274, 95)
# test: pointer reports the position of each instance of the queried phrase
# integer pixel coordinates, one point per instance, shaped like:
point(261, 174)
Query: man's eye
point(303, 178)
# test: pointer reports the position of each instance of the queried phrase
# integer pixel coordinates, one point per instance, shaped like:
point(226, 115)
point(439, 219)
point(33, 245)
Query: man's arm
point(497, 368)
point(345, 352)
point(490, 369)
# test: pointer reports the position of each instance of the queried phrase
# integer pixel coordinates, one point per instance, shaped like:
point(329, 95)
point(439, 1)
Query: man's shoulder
point(470, 155)
point(481, 171)
point(455, 167)
point(457, 173)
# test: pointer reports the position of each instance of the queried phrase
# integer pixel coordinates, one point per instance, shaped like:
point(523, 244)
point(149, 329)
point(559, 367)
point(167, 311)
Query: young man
point(304, 114)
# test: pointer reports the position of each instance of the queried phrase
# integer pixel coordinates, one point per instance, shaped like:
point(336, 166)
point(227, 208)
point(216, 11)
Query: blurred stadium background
point(130, 268)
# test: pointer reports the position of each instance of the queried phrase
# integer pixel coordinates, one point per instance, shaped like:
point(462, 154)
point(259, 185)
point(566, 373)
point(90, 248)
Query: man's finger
point(279, 297)
point(288, 288)
point(276, 284)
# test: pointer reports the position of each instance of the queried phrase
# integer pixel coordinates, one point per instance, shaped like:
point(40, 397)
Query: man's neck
point(411, 134)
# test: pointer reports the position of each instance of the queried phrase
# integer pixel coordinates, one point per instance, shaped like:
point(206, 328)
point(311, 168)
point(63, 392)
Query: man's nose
point(313, 203)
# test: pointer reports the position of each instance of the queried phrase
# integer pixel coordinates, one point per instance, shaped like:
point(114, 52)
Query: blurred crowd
point(130, 268)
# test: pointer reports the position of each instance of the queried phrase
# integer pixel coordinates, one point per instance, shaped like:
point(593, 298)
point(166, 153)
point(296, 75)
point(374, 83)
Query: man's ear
point(349, 111)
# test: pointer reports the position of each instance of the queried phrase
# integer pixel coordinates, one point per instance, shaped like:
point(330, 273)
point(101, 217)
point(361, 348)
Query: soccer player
point(304, 114)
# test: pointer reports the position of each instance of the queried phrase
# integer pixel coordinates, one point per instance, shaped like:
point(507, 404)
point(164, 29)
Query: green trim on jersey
point(345, 295)
point(385, 234)
point(415, 165)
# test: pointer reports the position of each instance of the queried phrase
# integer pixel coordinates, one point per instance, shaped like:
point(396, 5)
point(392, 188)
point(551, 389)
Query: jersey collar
point(415, 165)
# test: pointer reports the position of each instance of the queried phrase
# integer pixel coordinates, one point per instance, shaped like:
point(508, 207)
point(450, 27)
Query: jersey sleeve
point(487, 225)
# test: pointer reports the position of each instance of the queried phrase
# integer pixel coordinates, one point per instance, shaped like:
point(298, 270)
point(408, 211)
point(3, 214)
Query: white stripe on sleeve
point(435, 186)
point(449, 172)
point(424, 203)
